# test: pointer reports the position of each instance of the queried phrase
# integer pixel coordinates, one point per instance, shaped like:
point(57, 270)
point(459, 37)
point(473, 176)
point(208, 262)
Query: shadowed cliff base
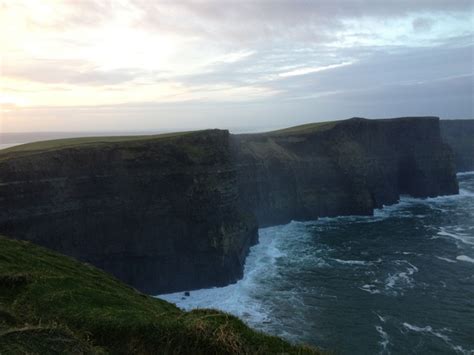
point(50, 303)
point(459, 134)
point(180, 211)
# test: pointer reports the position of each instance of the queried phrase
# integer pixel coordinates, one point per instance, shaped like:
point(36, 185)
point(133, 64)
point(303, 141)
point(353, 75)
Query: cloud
point(421, 24)
point(255, 21)
point(309, 70)
point(77, 72)
point(201, 63)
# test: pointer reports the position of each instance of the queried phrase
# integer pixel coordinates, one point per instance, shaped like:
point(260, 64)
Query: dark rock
point(459, 134)
point(341, 168)
point(187, 294)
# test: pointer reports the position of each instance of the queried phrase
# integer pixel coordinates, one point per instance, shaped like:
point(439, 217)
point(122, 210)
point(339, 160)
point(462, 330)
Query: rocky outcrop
point(178, 212)
point(341, 168)
point(459, 134)
point(160, 214)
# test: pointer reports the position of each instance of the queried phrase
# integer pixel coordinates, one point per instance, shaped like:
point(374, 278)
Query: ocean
point(400, 282)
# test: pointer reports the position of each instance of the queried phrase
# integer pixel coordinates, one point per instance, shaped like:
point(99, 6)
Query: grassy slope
point(50, 303)
point(305, 128)
point(89, 141)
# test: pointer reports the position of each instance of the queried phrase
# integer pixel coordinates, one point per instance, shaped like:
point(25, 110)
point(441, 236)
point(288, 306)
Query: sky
point(138, 65)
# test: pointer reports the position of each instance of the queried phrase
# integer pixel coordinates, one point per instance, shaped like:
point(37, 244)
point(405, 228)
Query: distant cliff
point(459, 134)
point(341, 168)
point(176, 212)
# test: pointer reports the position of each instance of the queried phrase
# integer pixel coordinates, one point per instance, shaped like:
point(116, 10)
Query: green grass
point(51, 303)
point(305, 128)
point(90, 141)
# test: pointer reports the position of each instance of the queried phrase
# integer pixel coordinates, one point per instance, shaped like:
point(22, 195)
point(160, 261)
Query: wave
point(463, 238)
point(465, 258)
point(465, 173)
point(241, 299)
point(427, 329)
point(372, 289)
point(464, 192)
point(400, 280)
point(385, 339)
point(445, 259)
point(438, 334)
point(353, 262)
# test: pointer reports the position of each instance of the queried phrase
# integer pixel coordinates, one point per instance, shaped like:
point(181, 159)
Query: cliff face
point(459, 134)
point(341, 168)
point(160, 214)
point(180, 212)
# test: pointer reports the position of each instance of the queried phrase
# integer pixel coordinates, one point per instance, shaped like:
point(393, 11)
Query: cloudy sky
point(85, 65)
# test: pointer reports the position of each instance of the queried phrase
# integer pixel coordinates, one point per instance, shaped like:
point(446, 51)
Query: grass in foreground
point(51, 303)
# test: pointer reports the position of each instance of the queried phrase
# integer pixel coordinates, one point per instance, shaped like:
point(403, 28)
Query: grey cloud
point(372, 67)
point(449, 98)
point(311, 21)
point(422, 24)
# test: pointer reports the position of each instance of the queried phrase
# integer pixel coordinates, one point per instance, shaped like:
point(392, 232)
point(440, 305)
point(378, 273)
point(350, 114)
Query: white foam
point(464, 193)
point(352, 262)
point(427, 329)
point(465, 258)
point(401, 280)
point(261, 265)
point(445, 259)
point(463, 238)
point(372, 289)
point(461, 350)
point(438, 333)
point(385, 339)
point(382, 319)
point(465, 173)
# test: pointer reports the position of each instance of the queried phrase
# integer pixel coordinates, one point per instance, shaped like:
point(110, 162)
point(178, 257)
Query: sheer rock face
point(161, 215)
point(459, 134)
point(176, 213)
point(341, 168)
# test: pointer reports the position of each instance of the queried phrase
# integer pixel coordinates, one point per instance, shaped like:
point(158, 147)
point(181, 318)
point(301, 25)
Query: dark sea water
point(401, 282)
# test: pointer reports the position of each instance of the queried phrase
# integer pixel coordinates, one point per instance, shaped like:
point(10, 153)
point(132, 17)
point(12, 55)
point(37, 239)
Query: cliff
point(52, 304)
point(341, 168)
point(459, 134)
point(180, 211)
point(159, 212)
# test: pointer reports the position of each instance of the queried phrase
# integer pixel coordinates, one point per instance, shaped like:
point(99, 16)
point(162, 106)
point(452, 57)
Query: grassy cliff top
point(305, 128)
point(98, 141)
point(310, 128)
point(51, 303)
point(89, 141)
